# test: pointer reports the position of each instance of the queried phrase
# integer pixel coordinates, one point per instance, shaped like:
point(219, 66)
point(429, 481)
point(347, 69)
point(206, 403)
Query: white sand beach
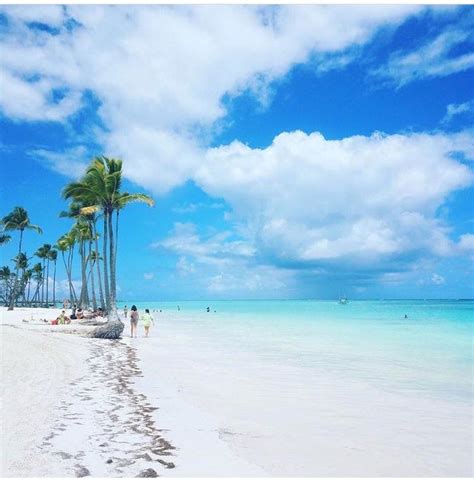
point(183, 403)
point(70, 407)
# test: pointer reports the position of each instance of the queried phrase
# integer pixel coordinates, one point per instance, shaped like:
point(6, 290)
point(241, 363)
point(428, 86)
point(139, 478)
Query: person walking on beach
point(125, 311)
point(133, 321)
point(147, 322)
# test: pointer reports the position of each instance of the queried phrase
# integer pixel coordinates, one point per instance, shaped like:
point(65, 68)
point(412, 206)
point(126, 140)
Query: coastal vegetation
point(95, 200)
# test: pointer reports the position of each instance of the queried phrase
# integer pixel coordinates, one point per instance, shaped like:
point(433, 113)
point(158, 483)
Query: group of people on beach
point(77, 313)
point(147, 319)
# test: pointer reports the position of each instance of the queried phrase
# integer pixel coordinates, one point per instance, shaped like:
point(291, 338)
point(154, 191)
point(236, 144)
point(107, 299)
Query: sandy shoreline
point(73, 407)
point(191, 402)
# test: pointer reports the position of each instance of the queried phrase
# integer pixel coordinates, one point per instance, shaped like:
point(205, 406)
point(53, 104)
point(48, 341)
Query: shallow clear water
point(374, 393)
point(430, 351)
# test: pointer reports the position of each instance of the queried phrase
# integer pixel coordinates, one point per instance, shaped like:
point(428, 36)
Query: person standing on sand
point(133, 321)
point(147, 321)
point(125, 311)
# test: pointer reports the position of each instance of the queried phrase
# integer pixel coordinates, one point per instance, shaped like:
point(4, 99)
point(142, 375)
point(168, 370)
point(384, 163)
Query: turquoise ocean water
point(430, 353)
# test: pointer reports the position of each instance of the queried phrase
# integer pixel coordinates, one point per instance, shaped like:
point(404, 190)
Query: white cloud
point(217, 249)
point(453, 110)
point(148, 276)
point(466, 243)
point(34, 100)
point(160, 72)
point(184, 267)
point(223, 266)
point(305, 198)
point(434, 59)
point(71, 163)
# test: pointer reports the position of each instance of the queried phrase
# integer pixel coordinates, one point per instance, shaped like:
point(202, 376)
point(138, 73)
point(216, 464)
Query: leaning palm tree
point(99, 190)
point(18, 219)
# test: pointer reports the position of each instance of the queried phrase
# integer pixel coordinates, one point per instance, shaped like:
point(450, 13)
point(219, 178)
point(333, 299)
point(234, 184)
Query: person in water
point(147, 321)
point(133, 321)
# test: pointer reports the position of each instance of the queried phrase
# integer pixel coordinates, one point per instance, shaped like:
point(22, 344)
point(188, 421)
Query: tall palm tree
point(99, 190)
point(18, 219)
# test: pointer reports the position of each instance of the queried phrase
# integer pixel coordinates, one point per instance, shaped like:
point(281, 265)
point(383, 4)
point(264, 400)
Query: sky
point(292, 151)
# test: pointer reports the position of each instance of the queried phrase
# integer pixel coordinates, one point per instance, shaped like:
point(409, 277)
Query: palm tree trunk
point(70, 260)
point(54, 284)
point(106, 269)
point(47, 282)
point(84, 299)
point(14, 290)
point(42, 283)
point(99, 278)
point(114, 328)
point(91, 262)
point(113, 284)
point(68, 276)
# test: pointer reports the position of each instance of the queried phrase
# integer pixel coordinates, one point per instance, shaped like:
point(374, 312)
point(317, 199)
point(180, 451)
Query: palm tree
point(67, 243)
point(28, 275)
point(38, 278)
point(53, 256)
point(99, 189)
point(47, 248)
point(4, 239)
point(83, 236)
point(21, 262)
point(18, 219)
point(6, 278)
point(93, 259)
point(42, 253)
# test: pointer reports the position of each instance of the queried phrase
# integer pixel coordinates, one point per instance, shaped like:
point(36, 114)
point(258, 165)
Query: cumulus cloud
point(160, 73)
point(305, 198)
point(434, 59)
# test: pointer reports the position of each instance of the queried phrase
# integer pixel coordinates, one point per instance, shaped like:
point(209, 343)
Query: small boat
point(343, 300)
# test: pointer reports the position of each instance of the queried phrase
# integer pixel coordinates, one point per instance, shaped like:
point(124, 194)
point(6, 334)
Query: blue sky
point(293, 152)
